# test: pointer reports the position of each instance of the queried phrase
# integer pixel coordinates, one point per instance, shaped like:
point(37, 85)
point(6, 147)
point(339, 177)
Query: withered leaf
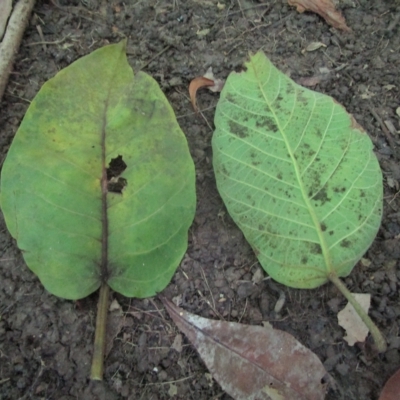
point(391, 390)
point(195, 85)
point(325, 8)
point(253, 362)
point(207, 80)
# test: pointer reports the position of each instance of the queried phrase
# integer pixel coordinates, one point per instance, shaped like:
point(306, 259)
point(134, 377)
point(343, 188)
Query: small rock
point(220, 283)
point(175, 81)
point(246, 289)
point(343, 369)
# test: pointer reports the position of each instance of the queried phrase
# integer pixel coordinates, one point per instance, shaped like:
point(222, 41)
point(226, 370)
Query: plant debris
point(325, 8)
point(273, 365)
point(348, 319)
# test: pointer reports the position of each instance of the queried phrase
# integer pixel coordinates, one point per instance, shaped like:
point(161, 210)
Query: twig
point(12, 39)
point(385, 130)
point(50, 42)
point(39, 29)
point(244, 310)
point(241, 9)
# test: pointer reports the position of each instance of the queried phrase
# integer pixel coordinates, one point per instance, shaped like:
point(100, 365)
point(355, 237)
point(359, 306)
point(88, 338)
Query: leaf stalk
point(100, 334)
point(375, 332)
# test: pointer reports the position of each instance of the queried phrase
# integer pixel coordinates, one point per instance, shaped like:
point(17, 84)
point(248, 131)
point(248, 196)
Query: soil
point(46, 343)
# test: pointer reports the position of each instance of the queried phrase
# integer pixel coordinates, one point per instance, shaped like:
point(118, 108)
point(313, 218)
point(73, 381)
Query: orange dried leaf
point(325, 8)
point(391, 390)
point(195, 85)
point(253, 362)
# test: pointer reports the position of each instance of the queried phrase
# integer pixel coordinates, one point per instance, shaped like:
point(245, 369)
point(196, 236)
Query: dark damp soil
point(46, 342)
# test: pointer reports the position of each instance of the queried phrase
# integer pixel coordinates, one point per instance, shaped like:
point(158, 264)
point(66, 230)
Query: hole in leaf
point(115, 183)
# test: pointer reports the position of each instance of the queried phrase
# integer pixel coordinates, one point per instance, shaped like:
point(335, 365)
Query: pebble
point(245, 290)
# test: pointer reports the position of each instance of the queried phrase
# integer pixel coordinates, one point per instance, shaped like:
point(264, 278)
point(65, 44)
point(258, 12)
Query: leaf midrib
point(310, 208)
point(104, 191)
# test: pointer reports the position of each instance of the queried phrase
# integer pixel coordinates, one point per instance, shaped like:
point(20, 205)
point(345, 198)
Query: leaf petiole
point(100, 334)
point(375, 332)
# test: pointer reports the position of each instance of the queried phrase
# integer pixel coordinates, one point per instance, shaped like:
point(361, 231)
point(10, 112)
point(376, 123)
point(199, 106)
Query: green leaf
point(74, 230)
point(297, 175)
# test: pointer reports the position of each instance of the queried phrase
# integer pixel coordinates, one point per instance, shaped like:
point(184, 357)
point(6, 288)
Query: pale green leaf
point(297, 175)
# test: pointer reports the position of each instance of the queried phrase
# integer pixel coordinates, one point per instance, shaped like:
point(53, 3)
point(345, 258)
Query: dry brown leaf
point(325, 8)
point(391, 390)
point(349, 319)
point(207, 80)
point(195, 85)
point(253, 362)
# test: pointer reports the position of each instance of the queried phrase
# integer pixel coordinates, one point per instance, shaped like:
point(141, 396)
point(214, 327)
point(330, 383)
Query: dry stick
point(375, 332)
point(12, 39)
point(385, 130)
point(50, 42)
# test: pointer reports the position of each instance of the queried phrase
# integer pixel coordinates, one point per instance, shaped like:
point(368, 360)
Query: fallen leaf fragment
point(114, 306)
point(203, 32)
point(218, 83)
point(173, 390)
point(391, 390)
point(314, 46)
point(325, 8)
point(177, 344)
point(389, 124)
point(258, 276)
point(207, 80)
point(253, 362)
point(348, 319)
point(221, 6)
point(195, 85)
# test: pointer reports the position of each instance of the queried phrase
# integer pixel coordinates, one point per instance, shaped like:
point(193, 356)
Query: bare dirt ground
point(46, 342)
